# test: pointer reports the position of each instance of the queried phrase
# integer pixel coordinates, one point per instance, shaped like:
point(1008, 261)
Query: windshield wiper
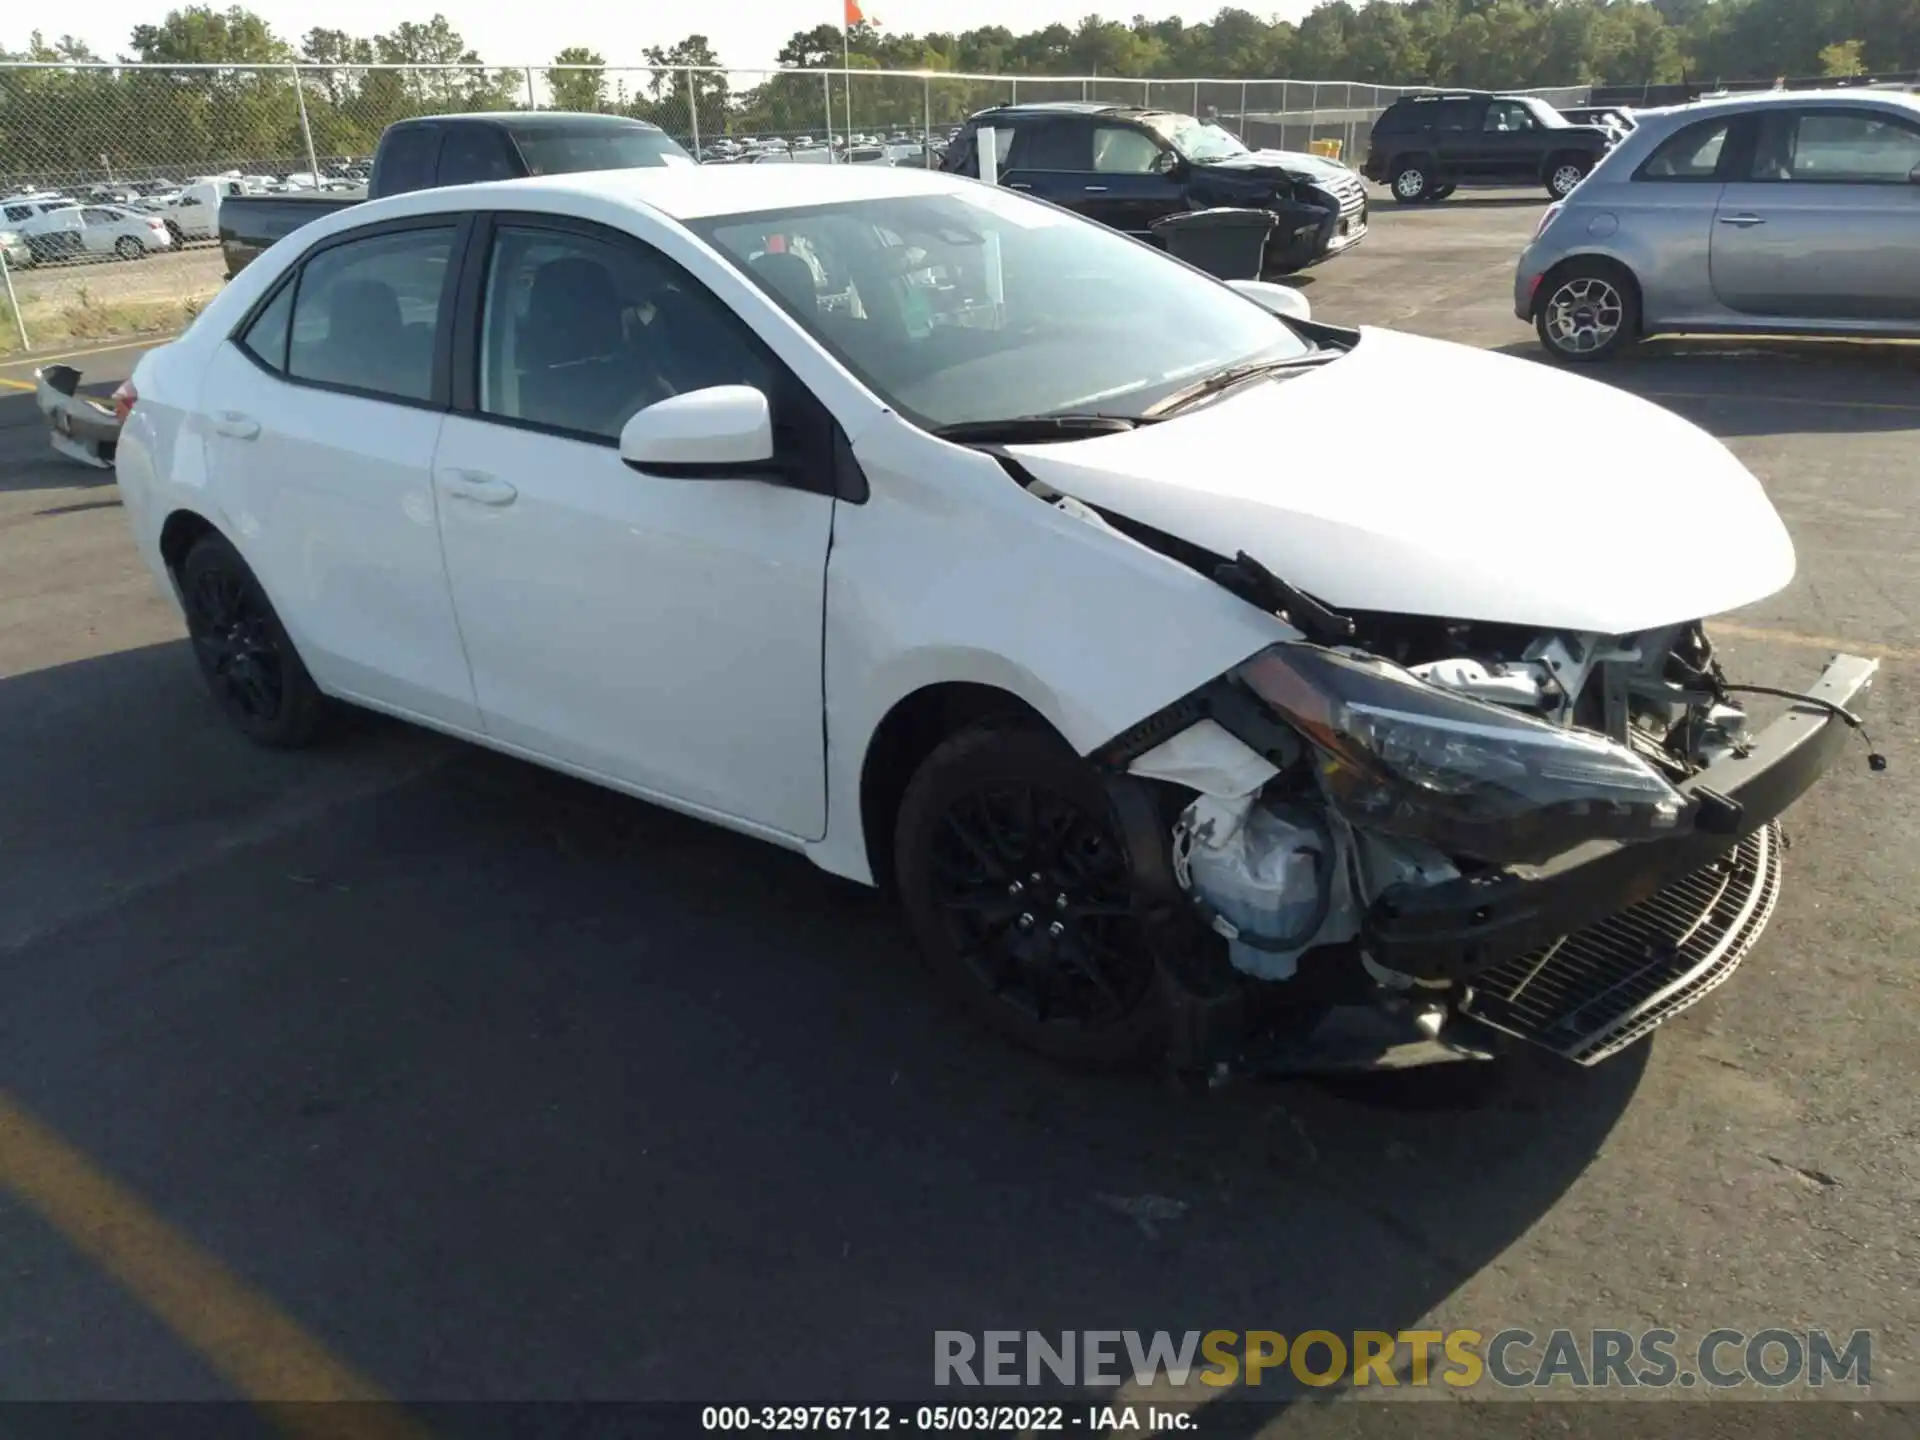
point(1035, 429)
point(1235, 375)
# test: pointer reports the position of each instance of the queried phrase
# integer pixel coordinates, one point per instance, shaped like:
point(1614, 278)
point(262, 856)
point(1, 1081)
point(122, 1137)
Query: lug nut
point(1025, 922)
point(1056, 929)
point(1060, 902)
point(1016, 888)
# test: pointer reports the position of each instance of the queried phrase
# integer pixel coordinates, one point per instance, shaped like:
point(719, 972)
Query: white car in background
point(977, 550)
point(83, 231)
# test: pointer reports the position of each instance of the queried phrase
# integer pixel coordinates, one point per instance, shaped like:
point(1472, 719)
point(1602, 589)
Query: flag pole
point(846, 61)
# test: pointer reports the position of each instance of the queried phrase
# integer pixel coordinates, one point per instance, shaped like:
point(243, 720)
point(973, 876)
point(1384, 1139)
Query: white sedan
point(979, 551)
point(97, 230)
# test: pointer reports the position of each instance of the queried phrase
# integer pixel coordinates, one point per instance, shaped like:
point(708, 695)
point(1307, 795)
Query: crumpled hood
point(1418, 477)
point(1279, 162)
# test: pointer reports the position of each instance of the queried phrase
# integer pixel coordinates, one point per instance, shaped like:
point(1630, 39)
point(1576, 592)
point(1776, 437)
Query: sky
point(745, 33)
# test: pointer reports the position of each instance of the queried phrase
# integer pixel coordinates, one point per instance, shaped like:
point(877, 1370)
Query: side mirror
point(1166, 163)
point(1282, 300)
point(723, 432)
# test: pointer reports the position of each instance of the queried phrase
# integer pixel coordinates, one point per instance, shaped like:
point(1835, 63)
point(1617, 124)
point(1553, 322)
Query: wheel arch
point(916, 725)
point(181, 531)
point(1601, 259)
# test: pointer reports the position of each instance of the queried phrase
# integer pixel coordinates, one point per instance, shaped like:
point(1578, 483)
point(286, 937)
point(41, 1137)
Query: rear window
point(558, 150)
point(1691, 154)
point(407, 160)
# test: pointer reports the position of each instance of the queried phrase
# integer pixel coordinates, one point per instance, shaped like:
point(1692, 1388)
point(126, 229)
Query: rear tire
point(1412, 182)
point(1587, 311)
point(1564, 175)
point(245, 656)
point(128, 248)
point(1020, 891)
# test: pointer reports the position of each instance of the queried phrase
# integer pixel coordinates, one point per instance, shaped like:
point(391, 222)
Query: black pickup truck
point(1127, 167)
point(1426, 145)
point(437, 150)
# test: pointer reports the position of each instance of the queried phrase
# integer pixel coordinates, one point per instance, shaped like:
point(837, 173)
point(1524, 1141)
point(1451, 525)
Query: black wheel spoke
point(1036, 895)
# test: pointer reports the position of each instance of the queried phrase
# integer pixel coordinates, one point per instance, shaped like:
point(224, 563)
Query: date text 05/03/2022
point(1092, 1419)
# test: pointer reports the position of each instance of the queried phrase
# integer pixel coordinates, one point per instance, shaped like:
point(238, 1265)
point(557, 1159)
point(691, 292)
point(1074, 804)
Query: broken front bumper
point(1589, 952)
point(84, 429)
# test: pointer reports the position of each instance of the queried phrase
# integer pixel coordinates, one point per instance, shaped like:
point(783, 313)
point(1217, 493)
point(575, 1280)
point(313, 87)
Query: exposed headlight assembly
point(1402, 757)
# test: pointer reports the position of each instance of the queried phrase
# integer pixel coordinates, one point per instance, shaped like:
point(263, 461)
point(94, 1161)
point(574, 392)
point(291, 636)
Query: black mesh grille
point(1591, 994)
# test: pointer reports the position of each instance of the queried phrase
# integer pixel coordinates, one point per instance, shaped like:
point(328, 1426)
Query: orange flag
point(854, 13)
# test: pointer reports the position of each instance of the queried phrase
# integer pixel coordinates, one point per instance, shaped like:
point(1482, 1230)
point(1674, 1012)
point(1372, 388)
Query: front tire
point(1587, 312)
point(1018, 887)
point(249, 664)
point(1413, 183)
point(128, 248)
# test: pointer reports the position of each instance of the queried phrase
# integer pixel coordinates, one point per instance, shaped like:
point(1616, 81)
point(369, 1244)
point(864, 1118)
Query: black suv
point(1127, 167)
point(1425, 145)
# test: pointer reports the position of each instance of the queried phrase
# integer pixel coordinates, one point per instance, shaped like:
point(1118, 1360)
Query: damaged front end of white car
point(1399, 841)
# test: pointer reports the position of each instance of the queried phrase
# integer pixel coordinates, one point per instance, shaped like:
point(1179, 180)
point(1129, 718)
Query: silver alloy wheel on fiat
point(1564, 179)
point(1584, 315)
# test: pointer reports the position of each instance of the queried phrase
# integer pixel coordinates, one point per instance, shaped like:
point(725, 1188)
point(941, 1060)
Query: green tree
point(1843, 57)
point(578, 89)
point(684, 75)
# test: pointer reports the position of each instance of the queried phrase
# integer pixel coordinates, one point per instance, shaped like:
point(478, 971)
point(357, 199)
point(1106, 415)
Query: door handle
point(1742, 221)
point(235, 426)
point(1018, 185)
point(475, 485)
point(1096, 189)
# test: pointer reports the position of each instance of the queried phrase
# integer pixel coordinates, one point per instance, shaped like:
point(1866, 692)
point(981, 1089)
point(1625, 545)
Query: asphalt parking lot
point(403, 1069)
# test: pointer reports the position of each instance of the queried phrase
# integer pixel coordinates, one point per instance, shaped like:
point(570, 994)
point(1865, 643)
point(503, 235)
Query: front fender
point(953, 572)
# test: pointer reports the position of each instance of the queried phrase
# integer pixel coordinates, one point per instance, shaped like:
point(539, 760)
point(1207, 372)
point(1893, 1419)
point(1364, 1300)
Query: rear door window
point(366, 314)
point(1063, 144)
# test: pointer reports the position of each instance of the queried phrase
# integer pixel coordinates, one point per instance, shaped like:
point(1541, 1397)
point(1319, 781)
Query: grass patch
point(82, 316)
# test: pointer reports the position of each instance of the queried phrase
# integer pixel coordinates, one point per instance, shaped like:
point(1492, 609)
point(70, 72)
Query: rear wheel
point(249, 664)
point(1588, 311)
point(1019, 888)
point(1565, 174)
point(1413, 183)
point(128, 248)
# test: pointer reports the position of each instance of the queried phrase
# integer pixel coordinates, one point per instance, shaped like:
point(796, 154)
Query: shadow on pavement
point(507, 1087)
point(1736, 387)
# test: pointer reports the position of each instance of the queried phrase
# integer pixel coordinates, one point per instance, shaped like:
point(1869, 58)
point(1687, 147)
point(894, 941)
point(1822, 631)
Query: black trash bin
point(1227, 242)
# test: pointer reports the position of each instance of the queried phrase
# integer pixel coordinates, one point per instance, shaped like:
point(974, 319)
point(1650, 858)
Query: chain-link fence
point(111, 175)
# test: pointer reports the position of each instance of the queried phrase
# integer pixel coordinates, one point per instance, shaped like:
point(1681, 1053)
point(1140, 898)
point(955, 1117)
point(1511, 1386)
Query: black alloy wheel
point(1022, 894)
point(245, 657)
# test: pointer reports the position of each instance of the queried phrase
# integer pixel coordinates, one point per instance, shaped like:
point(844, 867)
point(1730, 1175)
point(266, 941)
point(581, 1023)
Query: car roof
point(1069, 107)
point(535, 119)
point(697, 192)
point(1759, 100)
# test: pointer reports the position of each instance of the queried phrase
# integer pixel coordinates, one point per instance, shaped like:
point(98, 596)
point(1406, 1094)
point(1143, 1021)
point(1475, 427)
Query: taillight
point(1546, 220)
point(124, 399)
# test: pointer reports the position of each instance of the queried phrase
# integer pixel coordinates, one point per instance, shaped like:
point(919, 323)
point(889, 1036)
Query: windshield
point(958, 308)
point(1196, 140)
point(1549, 118)
point(558, 150)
